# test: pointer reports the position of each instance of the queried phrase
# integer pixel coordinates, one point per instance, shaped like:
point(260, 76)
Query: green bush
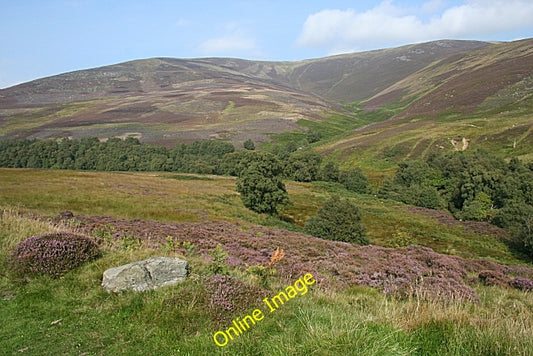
point(303, 166)
point(339, 220)
point(354, 180)
point(329, 172)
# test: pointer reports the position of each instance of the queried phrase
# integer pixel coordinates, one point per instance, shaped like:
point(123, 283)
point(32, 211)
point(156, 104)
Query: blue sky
point(40, 38)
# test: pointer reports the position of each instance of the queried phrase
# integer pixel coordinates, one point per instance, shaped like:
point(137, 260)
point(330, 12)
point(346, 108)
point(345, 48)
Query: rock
point(145, 275)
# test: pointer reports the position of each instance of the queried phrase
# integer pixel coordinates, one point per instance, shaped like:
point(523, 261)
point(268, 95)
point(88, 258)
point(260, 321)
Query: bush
point(261, 194)
point(355, 180)
point(329, 172)
point(303, 166)
point(338, 220)
point(229, 295)
point(522, 283)
point(260, 184)
point(493, 278)
point(249, 145)
point(52, 254)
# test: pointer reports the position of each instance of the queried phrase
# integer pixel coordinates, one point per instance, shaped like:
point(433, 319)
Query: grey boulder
point(145, 275)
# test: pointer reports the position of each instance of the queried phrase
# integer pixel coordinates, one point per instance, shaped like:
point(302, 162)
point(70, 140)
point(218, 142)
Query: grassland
point(74, 315)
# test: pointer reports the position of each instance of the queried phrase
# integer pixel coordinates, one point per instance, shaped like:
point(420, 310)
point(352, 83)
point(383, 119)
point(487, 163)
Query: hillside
point(158, 100)
point(168, 100)
point(367, 300)
point(402, 102)
point(476, 99)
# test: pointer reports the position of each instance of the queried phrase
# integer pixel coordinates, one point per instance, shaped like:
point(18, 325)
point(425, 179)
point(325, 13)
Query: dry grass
point(16, 226)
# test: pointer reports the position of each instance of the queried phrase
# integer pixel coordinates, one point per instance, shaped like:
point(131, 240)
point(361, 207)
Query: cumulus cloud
point(387, 24)
point(234, 39)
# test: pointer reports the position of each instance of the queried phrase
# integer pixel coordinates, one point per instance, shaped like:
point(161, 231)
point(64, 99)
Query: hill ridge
point(168, 100)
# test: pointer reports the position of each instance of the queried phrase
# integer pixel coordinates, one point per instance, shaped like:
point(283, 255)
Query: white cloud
point(234, 40)
point(388, 24)
point(432, 6)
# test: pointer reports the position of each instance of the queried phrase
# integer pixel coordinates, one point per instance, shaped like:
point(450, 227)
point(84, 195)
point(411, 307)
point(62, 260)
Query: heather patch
point(522, 283)
point(52, 254)
point(493, 278)
point(412, 271)
point(230, 295)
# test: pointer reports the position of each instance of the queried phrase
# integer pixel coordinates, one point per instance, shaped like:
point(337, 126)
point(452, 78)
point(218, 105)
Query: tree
point(249, 145)
point(517, 218)
point(260, 184)
point(329, 172)
point(354, 180)
point(304, 166)
point(339, 220)
point(313, 136)
point(412, 172)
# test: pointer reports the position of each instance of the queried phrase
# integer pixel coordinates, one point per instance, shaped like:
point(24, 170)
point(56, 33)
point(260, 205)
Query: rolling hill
point(451, 89)
point(474, 99)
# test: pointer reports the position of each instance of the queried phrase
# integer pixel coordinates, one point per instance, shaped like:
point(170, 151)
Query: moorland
point(432, 143)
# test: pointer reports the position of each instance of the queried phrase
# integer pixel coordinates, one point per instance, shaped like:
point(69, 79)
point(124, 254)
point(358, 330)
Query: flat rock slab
point(145, 275)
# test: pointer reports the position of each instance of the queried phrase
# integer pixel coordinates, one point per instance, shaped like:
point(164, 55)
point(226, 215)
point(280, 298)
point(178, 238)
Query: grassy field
point(73, 315)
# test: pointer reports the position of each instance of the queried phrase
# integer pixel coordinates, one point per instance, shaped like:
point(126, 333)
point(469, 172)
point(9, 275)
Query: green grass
point(184, 197)
point(74, 315)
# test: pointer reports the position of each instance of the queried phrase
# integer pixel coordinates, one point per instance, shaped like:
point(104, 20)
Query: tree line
point(203, 157)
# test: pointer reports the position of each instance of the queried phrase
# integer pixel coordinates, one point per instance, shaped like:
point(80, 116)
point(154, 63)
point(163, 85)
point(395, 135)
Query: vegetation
point(355, 180)
point(473, 186)
point(249, 145)
point(80, 317)
point(339, 220)
point(260, 184)
point(449, 269)
point(52, 254)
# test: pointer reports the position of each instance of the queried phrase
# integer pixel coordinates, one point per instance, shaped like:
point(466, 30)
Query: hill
point(474, 99)
point(158, 100)
point(166, 100)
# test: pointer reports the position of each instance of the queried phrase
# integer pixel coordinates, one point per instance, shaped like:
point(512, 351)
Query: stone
point(145, 275)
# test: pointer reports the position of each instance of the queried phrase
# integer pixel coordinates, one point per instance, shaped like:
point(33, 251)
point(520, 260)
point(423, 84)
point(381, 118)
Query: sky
point(40, 38)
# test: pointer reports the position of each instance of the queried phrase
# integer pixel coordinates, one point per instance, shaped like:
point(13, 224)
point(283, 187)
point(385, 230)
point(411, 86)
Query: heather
point(412, 271)
point(52, 254)
point(338, 316)
point(230, 297)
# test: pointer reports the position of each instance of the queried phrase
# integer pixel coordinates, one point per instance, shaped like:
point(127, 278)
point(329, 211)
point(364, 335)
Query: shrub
point(52, 254)
point(493, 278)
point(249, 145)
point(329, 172)
point(355, 180)
point(338, 220)
point(522, 283)
point(230, 295)
point(260, 184)
point(303, 166)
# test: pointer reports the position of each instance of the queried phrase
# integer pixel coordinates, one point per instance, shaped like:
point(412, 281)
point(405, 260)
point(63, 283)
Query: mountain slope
point(162, 100)
point(475, 99)
point(165, 100)
point(359, 76)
